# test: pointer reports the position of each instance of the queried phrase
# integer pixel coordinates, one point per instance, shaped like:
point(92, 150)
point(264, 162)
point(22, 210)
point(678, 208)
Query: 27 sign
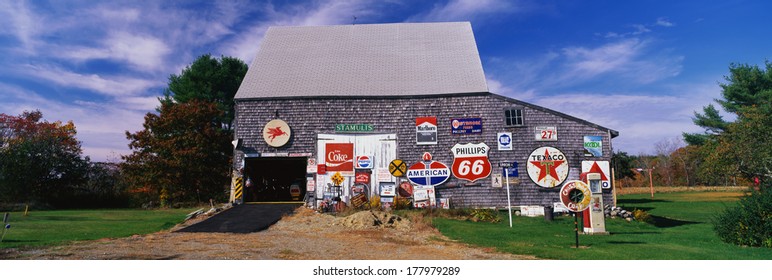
point(546, 133)
point(470, 161)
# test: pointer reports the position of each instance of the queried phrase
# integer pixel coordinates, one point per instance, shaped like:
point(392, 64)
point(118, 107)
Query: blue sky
point(640, 67)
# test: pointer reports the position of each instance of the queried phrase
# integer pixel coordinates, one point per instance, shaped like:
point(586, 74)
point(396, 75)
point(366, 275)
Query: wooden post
point(576, 228)
point(614, 186)
point(651, 183)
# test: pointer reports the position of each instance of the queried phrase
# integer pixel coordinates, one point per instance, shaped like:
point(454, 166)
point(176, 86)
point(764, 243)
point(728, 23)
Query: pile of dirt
point(375, 219)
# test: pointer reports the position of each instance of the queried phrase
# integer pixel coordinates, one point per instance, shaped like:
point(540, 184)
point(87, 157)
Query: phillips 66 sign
point(470, 161)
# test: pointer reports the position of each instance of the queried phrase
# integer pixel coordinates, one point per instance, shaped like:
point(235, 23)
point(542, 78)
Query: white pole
point(509, 202)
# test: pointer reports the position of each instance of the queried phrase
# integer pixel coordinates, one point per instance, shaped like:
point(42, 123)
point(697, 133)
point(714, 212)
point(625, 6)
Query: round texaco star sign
point(547, 167)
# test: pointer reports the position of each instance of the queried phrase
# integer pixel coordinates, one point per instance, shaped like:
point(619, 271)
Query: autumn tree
point(181, 155)
point(39, 160)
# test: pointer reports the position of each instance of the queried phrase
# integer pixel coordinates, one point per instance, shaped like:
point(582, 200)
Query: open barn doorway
point(274, 179)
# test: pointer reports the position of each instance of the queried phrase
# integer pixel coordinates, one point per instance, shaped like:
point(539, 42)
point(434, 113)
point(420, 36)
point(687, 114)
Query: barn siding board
point(308, 117)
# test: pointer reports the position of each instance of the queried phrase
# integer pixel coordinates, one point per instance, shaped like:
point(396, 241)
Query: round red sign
point(575, 195)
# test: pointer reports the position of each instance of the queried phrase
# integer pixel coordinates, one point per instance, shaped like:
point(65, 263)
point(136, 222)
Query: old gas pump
point(594, 218)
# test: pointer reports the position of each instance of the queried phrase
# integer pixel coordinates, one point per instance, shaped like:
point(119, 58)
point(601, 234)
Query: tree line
point(726, 153)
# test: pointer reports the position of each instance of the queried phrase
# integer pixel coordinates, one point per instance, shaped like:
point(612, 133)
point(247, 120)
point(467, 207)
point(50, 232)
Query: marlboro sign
point(426, 130)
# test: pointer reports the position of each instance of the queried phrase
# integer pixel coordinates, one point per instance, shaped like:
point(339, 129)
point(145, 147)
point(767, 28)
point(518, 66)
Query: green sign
point(354, 127)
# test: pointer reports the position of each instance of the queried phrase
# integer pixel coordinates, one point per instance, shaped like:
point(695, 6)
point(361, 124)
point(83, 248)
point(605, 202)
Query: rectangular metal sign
point(466, 126)
point(546, 133)
point(426, 130)
point(593, 146)
point(359, 127)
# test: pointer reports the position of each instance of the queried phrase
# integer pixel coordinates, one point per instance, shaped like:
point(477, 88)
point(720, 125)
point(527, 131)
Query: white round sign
point(276, 133)
point(547, 167)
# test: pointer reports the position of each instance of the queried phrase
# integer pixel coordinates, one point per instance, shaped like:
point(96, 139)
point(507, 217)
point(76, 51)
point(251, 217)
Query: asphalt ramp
point(244, 218)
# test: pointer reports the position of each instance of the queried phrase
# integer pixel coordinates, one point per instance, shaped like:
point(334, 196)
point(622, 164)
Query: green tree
point(211, 80)
point(623, 165)
point(747, 94)
point(39, 160)
point(181, 155)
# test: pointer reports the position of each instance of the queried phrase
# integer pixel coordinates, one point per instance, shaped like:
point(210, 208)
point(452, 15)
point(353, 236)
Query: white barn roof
point(365, 60)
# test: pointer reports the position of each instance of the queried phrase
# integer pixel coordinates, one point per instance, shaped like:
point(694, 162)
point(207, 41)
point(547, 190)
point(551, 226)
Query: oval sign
point(276, 133)
point(575, 195)
point(428, 172)
point(547, 167)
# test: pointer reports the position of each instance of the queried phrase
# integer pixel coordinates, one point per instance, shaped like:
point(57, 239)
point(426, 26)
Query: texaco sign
point(547, 167)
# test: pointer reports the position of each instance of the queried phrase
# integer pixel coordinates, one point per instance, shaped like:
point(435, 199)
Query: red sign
point(339, 157)
point(470, 161)
point(362, 177)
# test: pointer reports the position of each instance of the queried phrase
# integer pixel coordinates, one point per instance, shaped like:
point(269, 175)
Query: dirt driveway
point(304, 235)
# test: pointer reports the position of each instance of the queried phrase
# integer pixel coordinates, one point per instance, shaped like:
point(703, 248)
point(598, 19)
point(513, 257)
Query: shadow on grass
point(626, 242)
point(664, 222)
point(640, 201)
point(636, 232)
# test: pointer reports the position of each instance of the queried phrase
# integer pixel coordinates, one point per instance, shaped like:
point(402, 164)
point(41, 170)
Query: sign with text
point(546, 133)
point(547, 167)
point(426, 130)
point(354, 127)
point(505, 141)
point(466, 126)
point(339, 157)
point(600, 167)
point(593, 146)
point(428, 172)
point(470, 161)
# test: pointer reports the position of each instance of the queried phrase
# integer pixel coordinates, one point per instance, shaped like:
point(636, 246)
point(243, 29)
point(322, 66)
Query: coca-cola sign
point(339, 157)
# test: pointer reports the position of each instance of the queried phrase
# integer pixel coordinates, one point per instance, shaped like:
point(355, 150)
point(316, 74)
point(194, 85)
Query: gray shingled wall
point(309, 117)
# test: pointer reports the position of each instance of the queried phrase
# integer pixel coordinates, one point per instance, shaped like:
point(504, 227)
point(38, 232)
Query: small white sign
point(311, 166)
point(310, 184)
point(505, 141)
point(546, 133)
point(496, 179)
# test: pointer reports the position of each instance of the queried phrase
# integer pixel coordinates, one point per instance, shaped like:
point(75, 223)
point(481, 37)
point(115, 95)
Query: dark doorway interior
point(272, 179)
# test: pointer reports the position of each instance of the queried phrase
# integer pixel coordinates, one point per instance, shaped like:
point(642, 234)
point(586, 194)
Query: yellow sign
point(397, 168)
point(337, 179)
point(239, 188)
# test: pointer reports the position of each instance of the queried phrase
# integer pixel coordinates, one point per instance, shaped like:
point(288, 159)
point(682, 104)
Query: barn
point(355, 111)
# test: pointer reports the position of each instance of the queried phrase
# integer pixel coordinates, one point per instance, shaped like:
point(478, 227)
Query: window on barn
point(513, 116)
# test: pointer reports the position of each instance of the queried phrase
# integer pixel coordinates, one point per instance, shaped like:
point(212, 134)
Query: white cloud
point(589, 62)
point(111, 86)
point(100, 126)
point(467, 10)
point(641, 118)
point(245, 46)
point(17, 20)
point(664, 22)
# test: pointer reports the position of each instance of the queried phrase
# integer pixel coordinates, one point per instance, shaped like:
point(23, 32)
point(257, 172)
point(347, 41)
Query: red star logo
point(548, 167)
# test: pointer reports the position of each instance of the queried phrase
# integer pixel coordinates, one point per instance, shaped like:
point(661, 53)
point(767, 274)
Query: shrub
point(484, 215)
point(402, 203)
point(642, 216)
point(374, 202)
point(749, 223)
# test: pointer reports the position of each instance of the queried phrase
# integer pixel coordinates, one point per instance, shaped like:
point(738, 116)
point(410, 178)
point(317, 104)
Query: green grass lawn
point(43, 228)
point(682, 230)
